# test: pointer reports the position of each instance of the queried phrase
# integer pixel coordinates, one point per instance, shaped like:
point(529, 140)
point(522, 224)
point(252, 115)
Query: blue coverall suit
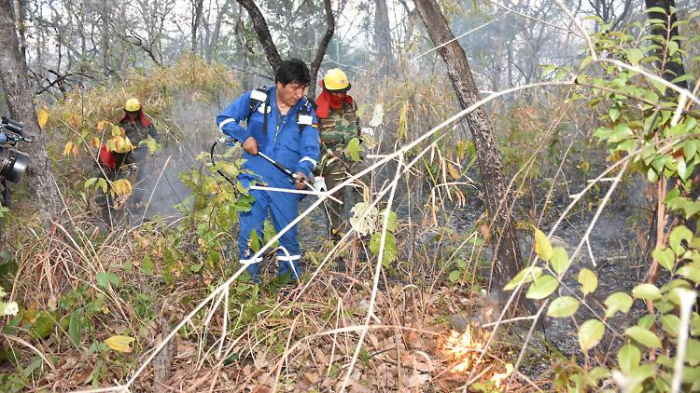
point(293, 141)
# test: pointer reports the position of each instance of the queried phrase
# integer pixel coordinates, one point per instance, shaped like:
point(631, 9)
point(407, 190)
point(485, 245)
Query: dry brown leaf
point(247, 370)
point(417, 379)
point(327, 383)
point(261, 361)
point(262, 389)
point(411, 337)
point(321, 357)
point(192, 387)
point(311, 378)
point(373, 339)
point(80, 378)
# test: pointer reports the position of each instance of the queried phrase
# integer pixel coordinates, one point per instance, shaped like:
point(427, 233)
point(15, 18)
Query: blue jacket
point(294, 144)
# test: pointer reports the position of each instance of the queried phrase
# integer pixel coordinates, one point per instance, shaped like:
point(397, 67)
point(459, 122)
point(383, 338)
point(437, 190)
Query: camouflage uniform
point(138, 158)
point(337, 130)
point(134, 165)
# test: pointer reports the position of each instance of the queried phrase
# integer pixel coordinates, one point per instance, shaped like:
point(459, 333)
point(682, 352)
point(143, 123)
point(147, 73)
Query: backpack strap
point(304, 117)
point(259, 97)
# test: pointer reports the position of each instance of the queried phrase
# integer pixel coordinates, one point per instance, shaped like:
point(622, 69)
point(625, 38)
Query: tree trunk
point(382, 37)
point(268, 44)
point(216, 33)
point(21, 106)
point(321, 51)
point(506, 255)
point(197, 9)
point(671, 69)
point(21, 26)
point(263, 33)
point(105, 36)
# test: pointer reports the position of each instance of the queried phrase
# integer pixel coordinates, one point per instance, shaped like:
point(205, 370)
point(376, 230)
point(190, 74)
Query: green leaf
point(254, 241)
point(618, 301)
point(390, 251)
point(542, 287)
point(614, 114)
point(74, 327)
point(526, 275)
point(634, 55)
point(678, 234)
point(665, 257)
point(672, 48)
point(599, 373)
point(354, 149)
point(652, 176)
point(543, 247)
point(588, 281)
point(628, 357)
point(690, 272)
point(454, 276)
point(269, 233)
point(638, 375)
point(560, 260)
point(682, 169)
point(646, 321)
point(644, 336)
point(646, 291)
point(590, 333)
point(692, 352)
point(106, 278)
point(393, 223)
point(102, 183)
point(89, 182)
point(563, 307)
point(42, 326)
point(147, 265)
point(671, 324)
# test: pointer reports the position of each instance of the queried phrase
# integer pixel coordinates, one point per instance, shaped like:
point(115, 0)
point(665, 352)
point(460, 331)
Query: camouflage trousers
point(335, 172)
point(134, 167)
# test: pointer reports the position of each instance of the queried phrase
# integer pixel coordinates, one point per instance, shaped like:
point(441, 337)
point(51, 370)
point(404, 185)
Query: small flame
point(462, 348)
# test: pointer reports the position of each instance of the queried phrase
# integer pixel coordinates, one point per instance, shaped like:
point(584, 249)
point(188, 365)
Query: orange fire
point(465, 348)
point(462, 348)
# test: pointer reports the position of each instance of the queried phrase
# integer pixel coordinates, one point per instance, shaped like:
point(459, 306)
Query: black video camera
point(13, 163)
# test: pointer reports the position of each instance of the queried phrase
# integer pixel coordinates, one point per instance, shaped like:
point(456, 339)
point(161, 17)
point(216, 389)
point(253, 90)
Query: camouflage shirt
point(136, 132)
point(340, 127)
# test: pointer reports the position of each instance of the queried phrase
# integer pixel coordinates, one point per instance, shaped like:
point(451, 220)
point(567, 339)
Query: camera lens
point(13, 164)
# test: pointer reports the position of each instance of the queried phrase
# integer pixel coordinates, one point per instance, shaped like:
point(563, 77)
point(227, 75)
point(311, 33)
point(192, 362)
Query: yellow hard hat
point(336, 81)
point(132, 105)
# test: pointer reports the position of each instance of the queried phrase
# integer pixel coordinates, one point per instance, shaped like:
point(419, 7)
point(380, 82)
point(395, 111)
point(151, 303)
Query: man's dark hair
point(293, 71)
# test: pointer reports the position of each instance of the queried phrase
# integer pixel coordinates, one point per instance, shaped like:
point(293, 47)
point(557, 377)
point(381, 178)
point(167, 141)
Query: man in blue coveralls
point(281, 123)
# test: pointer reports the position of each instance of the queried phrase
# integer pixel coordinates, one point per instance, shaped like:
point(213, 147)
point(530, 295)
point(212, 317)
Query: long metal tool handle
point(279, 166)
point(293, 175)
point(282, 168)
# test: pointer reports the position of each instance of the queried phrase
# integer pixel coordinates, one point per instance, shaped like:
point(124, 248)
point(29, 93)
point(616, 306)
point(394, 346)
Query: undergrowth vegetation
point(164, 304)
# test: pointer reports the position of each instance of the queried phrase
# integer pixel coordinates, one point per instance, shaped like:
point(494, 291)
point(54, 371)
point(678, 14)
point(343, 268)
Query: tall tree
point(506, 255)
point(273, 56)
point(13, 73)
point(382, 37)
point(197, 9)
point(263, 33)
